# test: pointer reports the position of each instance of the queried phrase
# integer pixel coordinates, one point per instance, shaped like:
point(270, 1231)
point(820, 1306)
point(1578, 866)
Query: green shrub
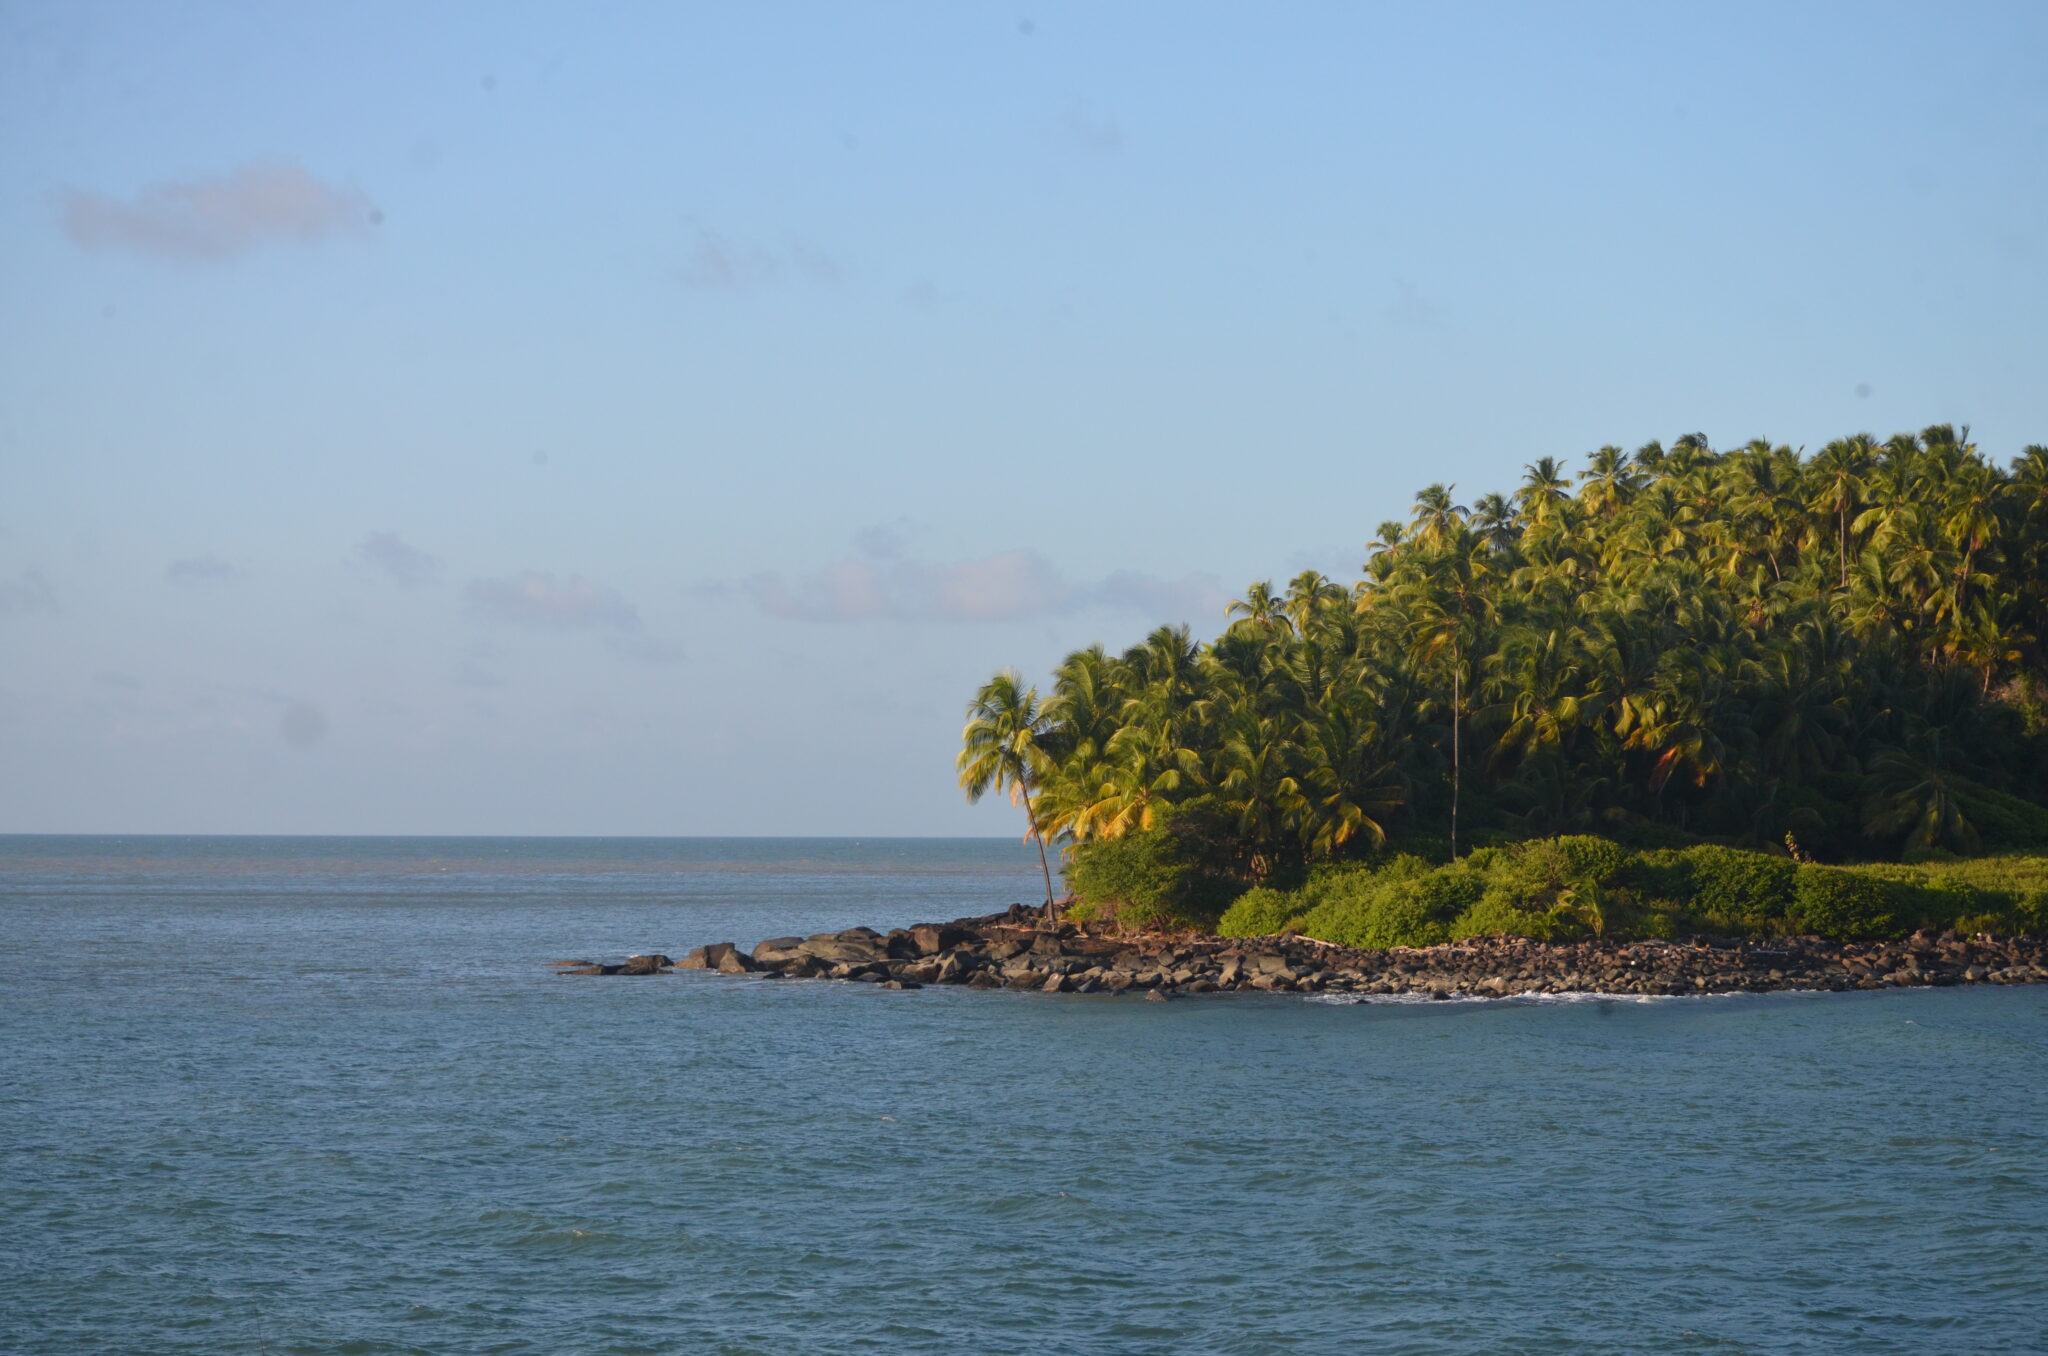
point(1831, 902)
point(1738, 892)
point(1586, 858)
point(1261, 913)
point(1177, 874)
point(1496, 915)
point(1571, 887)
point(1387, 912)
point(2004, 822)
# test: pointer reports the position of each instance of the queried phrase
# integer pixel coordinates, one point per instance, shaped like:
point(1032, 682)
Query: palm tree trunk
point(1843, 504)
point(1031, 817)
point(1456, 702)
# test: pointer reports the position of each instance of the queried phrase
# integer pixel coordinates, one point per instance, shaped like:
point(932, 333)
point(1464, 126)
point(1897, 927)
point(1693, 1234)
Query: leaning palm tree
point(1004, 748)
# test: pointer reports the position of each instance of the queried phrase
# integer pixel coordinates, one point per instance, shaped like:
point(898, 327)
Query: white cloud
point(217, 219)
point(543, 602)
point(879, 582)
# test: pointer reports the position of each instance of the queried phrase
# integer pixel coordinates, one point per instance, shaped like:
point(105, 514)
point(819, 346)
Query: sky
point(658, 419)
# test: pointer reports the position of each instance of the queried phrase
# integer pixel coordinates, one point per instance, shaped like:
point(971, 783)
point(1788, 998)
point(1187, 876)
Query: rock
point(1156, 996)
point(573, 962)
point(735, 962)
point(709, 957)
point(653, 960)
point(848, 947)
point(776, 948)
point(931, 939)
point(1057, 984)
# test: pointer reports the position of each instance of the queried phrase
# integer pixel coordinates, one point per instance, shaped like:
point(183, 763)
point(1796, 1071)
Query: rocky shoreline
point(1011, 950)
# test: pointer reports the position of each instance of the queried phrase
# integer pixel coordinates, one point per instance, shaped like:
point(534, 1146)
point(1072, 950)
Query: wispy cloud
point(199, 571)
point(218, 219)
point(719, 263)
point(543, 602)
point(878, 581)
point(26, 592)
point(405, 564)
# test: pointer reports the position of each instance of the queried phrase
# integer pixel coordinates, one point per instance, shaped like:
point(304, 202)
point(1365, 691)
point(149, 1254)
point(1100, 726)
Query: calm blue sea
point(324, 1095)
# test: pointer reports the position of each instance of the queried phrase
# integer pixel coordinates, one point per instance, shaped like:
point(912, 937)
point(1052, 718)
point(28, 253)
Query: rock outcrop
point(1009, 950)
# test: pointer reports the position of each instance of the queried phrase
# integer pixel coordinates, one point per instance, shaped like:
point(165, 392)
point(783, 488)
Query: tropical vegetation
point(1820, 658)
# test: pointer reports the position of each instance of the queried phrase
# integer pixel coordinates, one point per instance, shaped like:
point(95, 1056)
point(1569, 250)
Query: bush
point(1738, 892)
point(1261, 913)
point(1563, 888)
point(1585, 858)
point(1831, 902)
point(2004, 822)
point(1497, 915)
point(1391, 910)
point(1177, 874)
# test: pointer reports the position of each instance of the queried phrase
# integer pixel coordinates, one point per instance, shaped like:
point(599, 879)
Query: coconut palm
point(1722, 642)
point(1006, 746)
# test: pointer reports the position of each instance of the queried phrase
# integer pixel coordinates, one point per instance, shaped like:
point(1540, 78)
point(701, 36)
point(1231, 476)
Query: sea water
point(325, 1095)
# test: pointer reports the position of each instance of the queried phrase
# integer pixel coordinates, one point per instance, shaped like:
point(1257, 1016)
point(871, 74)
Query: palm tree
point(1720, 641)
point(1435, 515)
point(1610, 481)
point(1838, 478)
point(1260, 607)
point(1544, 488)
point(1916, 797)
point(1445, 602)
point(1005, 748)
point(1308, 593)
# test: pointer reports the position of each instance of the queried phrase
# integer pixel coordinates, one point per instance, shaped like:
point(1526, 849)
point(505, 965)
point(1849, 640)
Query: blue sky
point(653, 419)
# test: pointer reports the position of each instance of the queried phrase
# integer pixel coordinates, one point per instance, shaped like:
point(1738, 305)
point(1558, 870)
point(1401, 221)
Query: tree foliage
point(1842, 651)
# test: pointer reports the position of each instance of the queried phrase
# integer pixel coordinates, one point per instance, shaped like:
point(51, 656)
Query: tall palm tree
point(1446, 602)
point(1260, 607)
point(1838, 474)
point(1610, 480)
point(1435, 515)
point(1004, 747)
point(1544, 488)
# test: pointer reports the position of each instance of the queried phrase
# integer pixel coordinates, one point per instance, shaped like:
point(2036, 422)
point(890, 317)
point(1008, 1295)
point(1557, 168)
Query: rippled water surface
point(323, 1095)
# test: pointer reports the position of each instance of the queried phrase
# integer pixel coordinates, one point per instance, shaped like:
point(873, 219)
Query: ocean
point(324, 1095)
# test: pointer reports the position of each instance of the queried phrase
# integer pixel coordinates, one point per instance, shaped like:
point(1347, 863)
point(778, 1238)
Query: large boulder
point(720, 956)
point(932, 938)
point(855, 946)
point(773, 953)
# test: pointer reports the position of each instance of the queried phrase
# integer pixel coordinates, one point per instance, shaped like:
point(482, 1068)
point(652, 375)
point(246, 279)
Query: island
point(1692, 720)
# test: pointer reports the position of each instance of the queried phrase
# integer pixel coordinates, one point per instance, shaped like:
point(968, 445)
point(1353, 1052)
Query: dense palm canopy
point(1742, 645)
